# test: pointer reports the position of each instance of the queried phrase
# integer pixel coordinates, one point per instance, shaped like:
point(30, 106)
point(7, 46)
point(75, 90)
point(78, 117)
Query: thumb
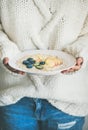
point(79, 61)
point(5, 60)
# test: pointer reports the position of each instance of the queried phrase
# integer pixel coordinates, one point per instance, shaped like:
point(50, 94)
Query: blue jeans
point(37, 114)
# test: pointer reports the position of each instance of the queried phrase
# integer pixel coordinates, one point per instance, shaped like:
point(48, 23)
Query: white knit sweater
point(45, 24)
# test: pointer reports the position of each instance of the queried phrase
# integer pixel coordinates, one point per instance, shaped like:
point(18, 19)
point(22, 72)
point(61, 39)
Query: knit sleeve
point(79, 48)
point(7, 47)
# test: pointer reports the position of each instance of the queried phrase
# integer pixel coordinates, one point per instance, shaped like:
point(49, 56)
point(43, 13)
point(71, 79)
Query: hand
point(6, 63)
point(79, 62)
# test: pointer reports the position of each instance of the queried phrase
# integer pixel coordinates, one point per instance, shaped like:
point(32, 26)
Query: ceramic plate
point(67, 61)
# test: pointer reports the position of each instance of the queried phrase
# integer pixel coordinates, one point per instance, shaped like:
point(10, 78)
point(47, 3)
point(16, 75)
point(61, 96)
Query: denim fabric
point(37, 114)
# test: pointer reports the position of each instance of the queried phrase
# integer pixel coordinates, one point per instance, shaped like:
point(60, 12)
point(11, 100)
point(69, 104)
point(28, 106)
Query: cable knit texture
point(45, 24)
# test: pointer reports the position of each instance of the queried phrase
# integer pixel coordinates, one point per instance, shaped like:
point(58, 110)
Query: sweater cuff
point(8, 49)
point(78, 52)
point(83, 54)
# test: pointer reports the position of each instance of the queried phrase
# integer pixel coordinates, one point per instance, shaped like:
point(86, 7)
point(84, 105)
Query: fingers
point(14, 70)
point(6, 61)
point(73, 69)
point(21, 72)
point(79, 62)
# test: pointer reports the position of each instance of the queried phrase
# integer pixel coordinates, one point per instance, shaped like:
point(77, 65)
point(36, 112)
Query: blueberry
point(42, 63)
point(25, 62)
point(29, 66)
point(32, 62)
point(30, 59)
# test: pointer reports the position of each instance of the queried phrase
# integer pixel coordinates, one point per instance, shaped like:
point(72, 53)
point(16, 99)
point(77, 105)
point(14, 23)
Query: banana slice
point(53, 61)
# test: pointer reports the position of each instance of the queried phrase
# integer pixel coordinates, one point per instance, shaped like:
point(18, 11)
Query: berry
point(25, 62)
point(29, 66)
point(42, 63)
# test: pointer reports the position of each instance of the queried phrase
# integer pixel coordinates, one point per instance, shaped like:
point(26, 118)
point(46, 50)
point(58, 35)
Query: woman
point(43, 102)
